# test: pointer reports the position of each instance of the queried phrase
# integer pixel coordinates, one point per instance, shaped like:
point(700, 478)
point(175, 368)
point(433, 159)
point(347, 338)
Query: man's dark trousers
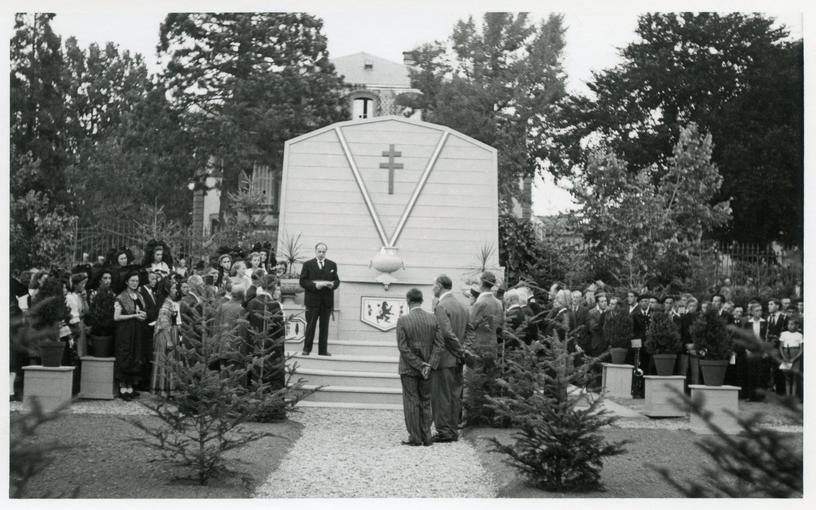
point(446, 401)
point(313, 314)
point(416, 404)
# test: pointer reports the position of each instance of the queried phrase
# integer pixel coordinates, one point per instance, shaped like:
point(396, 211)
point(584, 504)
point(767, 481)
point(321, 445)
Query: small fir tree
point(712, 340)
point(662, 335)
point(558, 446)
point(213, 398)
point(617, 329)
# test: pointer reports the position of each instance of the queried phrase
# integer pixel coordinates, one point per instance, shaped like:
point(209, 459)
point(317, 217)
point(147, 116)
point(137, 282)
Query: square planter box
point(617, 380)
point(660, 392)
point(97, 378)
point(51, 385)
point(718, 400)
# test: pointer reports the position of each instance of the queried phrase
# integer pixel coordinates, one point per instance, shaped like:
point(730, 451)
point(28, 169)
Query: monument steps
point(379, 380)
point(361, 397)
point(345, 362)
point(351, 348)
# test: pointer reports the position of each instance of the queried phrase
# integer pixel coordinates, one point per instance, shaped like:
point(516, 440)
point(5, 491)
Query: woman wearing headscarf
point(224, 265)
point(165, 339)
point(129, 314)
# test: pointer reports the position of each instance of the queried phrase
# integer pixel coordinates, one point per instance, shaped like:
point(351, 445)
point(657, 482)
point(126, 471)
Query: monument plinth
point(398, 202)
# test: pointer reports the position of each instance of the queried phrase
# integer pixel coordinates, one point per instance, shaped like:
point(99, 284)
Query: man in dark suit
point(752, 367)
point(319, 278)
point(153, 303)
point(641, 317)
point(418, 337)
point(777, 323)
point(578, 320)
point(446, 374)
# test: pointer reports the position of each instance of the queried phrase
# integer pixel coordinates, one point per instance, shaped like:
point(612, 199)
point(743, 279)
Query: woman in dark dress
point(129, 314)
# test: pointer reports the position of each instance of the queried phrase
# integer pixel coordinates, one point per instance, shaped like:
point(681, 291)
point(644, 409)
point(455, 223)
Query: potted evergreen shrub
point(663, 343)
point(291, 252)
point(713, 345)
point(617, 329)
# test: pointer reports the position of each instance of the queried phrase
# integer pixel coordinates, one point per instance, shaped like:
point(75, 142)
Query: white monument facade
point(398, 201)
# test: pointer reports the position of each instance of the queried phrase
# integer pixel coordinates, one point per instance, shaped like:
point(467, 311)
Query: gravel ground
point(103, 462)
point(357, 453)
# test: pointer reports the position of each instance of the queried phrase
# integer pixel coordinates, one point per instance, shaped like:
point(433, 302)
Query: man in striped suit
point(417, 336)
point(446, 374)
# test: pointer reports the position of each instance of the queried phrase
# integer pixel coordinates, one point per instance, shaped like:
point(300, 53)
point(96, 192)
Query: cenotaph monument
point(398, 202)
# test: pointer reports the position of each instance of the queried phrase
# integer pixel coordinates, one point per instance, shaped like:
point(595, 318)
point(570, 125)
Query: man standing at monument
point(418, 337)
point(446, 376)
point(319, 278)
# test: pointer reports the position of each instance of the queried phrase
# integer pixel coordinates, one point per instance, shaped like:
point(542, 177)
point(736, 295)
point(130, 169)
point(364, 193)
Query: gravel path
point(357, 453)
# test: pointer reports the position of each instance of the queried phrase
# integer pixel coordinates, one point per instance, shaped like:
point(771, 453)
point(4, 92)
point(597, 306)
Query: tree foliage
point(38, 112)
point(738, 78)
point(643, 226)
point(496, 82)
point(247, 82)
point(558, 446)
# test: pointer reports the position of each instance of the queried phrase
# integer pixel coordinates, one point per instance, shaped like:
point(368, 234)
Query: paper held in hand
point(323, 283)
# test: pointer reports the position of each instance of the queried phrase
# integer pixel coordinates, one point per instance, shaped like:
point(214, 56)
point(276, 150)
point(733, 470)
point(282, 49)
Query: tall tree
point(126, 140)
point(643, 228)
point(496, 82)
point(734, 75)
point(37, 107)
point(248, 82)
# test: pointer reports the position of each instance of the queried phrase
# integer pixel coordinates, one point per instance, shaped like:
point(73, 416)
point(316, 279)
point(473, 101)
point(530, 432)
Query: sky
point(593, 37)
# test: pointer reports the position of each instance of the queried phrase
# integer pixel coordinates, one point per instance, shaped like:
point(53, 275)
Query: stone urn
point(664, 363)
point(51, 353)
point(618, 355)
point(387, 260)
point(713, 371)
point(289, 287)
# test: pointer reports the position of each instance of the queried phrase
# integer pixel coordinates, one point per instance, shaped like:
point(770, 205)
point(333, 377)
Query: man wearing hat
point(641, 317)
point(486, 318)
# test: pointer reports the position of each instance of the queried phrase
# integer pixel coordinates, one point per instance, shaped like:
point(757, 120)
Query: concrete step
point(345, 362)
point(349, 379)
point(354, 397)
point(349, 405)
point(351, 348)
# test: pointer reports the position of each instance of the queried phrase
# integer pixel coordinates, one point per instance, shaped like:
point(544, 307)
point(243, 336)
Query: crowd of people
point(134, 310)
point(773, 363)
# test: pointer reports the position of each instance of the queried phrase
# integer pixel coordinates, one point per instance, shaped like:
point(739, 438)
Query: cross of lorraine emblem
point(391, 166)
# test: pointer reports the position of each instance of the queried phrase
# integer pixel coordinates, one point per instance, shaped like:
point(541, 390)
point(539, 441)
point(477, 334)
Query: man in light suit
point(319, 278)
point(486, 320)
point(446, 374)
point(418, 337)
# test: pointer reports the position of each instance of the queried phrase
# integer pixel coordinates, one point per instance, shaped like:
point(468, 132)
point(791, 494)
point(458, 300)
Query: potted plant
point(48, 312)
point(713, 345)
point(100, 319)
point(291, 253)
point(663, 343)
point(617, 329)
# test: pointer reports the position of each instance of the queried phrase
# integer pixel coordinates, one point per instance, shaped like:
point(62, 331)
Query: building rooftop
point(372, 71)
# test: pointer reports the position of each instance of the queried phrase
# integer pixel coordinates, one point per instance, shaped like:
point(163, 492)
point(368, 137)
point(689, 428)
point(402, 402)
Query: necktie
point(320, 265)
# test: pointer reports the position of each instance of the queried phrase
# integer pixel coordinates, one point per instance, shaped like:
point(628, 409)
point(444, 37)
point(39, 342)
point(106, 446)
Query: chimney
point(408, 58)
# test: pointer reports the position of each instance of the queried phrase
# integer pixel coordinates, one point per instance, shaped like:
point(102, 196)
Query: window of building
point(363, 108)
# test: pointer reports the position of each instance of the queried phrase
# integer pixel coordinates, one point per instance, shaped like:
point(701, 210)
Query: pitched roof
point(380, 72)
